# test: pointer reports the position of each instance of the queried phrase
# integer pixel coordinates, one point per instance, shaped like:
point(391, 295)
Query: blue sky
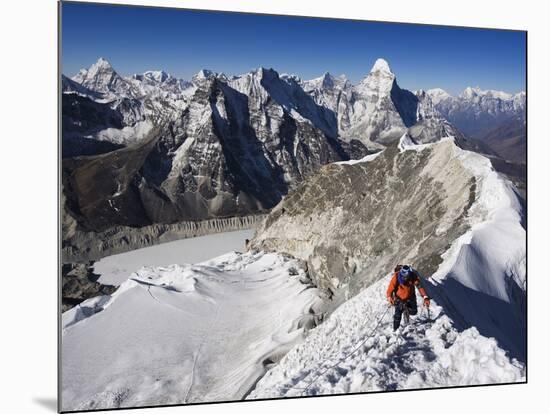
point(182, 42)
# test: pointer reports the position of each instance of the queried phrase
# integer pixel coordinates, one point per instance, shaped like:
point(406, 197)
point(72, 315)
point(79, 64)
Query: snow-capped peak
point(381, 65)
point(379, 81)
point(204, 74)
point(101, 68)
point(80, 76)
point(291, 77)
point(101, 63)
point(470, 93)
point(156, 75)
point(499, 94)
point(437, 95)
point(327, 81)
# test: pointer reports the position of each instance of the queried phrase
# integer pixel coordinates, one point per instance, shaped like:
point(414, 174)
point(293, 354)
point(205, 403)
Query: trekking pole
point(429, 315)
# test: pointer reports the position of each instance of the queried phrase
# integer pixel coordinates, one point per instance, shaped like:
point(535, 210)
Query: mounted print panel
point(267, 207)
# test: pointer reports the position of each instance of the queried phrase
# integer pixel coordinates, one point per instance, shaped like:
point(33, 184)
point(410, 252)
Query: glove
point(391, 300)
point(426, 301)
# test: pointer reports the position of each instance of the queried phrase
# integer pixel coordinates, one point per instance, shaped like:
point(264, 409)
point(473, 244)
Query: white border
point(28, 70)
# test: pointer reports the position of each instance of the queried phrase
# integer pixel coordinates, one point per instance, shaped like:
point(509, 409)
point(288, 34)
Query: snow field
point(185, 333)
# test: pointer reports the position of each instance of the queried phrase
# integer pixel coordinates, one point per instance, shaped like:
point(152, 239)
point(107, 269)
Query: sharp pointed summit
point(101, 77)
point(102, 62)
point(380, 79)
point(381, 65)
point(205, 73)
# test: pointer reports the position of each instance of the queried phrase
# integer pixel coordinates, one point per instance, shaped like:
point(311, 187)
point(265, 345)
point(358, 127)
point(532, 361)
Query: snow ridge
point(427, 353)
point(480, 282)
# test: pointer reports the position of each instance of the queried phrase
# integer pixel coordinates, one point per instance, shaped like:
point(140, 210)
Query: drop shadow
point(48, 403)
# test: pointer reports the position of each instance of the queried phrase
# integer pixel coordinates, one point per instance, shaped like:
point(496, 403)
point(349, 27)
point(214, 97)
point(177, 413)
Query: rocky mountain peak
point(265, 73)
point(101, 77)
point(470, 93)
point(80, 76)
point(379, 81)
point(101, 67)
point(102, 62)
point(204, 74)
point(327, 80)
point(157, 75)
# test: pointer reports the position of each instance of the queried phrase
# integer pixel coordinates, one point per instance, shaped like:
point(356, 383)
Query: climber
point(402, 295)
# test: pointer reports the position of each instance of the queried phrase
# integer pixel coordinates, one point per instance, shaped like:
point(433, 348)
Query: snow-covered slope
point(356, 350)
point(181, 334)
point(461, 223)
point(477, 326)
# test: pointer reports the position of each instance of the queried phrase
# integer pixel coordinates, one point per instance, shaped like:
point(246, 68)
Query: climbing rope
point(325, 370)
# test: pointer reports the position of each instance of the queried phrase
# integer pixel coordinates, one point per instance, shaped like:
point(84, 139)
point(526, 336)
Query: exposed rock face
point(230, 153)
point(81, 245)
point(508, 140)
point(353, 222)
point(233, 149)
point(103, 190)
point(213, 160)
point(154, 149)
point(79, 284)
point(430, 125)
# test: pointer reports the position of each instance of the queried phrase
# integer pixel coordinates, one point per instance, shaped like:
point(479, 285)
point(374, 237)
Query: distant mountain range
point(151, 148)
point(496, 118)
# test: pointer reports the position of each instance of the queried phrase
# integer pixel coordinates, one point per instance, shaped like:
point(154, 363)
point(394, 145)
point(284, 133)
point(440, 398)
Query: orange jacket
point(406, 291)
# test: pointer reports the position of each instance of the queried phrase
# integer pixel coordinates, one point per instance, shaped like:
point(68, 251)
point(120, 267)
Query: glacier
point(185, 333)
